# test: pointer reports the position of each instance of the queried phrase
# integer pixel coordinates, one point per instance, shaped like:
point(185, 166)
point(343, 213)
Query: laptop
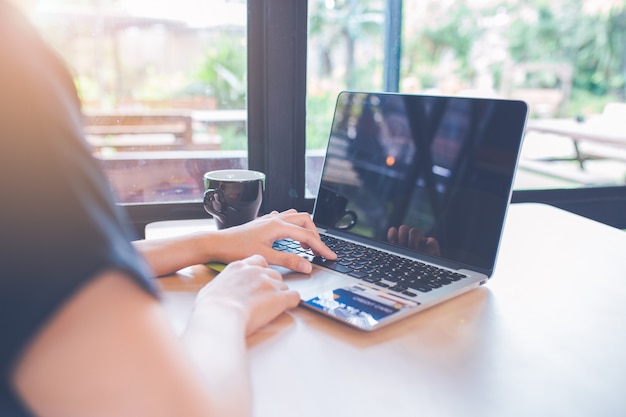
point(413, 197)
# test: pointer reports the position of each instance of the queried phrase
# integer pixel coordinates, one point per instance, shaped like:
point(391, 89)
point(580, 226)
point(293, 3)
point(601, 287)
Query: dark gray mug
point(331, 210)
point(233, 196)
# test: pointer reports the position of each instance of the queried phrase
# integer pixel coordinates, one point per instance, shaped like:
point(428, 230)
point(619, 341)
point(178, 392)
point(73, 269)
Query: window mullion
point(277, 37)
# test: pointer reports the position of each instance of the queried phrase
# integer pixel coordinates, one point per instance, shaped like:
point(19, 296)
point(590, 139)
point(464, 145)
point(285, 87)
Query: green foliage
point(456, 35)
point(233, 137)
point(606, 63)
point(355, 17)
point(86, 87)
point(583, 103)
point(594, 44)
point(222, 74)
point(319, 118)
point(536, 42)
point(581, 34)
point(346, 22)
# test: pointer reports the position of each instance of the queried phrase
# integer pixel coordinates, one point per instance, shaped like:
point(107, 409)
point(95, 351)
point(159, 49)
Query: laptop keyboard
point(382, 269)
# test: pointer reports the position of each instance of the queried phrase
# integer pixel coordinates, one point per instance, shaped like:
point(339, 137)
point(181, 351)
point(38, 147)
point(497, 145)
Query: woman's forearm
point(168, 255)
point(215, 338)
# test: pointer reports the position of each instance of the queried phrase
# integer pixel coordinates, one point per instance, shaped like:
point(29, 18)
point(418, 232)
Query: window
point(565, 58)
point(162, 85)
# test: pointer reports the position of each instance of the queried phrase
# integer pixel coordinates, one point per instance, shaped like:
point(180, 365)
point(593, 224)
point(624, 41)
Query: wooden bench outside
point(113, 129)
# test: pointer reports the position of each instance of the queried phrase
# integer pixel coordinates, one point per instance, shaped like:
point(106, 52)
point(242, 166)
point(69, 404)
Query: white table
point(605, 136)
point(545, 337)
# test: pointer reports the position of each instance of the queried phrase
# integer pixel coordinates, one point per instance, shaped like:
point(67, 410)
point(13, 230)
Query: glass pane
point(163, 88)
point(566, 58)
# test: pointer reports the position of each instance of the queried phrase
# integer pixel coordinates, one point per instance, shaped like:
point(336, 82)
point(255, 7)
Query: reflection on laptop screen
point(442, 166)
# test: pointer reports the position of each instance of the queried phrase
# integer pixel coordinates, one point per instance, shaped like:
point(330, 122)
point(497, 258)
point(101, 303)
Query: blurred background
point(164, 84)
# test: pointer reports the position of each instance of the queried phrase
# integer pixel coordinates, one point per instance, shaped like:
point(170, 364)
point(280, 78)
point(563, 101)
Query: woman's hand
point(412, 238)
point(252, 288)
point(257, 237)
point(167, 255)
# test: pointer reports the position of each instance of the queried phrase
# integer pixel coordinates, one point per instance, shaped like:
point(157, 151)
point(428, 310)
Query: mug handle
point(353, 220)
point(212, 204)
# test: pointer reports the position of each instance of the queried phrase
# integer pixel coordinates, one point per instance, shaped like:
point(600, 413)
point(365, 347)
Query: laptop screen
point(428, 173)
